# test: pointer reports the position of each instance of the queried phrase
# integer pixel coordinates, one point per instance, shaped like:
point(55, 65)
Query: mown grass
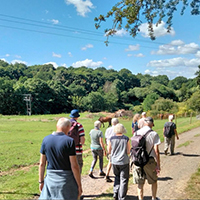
point(193, 186)
point(21, 138)
point(184, 144)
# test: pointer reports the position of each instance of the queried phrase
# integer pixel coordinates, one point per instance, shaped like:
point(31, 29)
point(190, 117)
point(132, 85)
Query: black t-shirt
point(58, 147)
point(172, 124)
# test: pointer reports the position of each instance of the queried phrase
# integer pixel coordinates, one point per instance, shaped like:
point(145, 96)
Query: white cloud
point(177, 42)
point(46, 11)
point(70, 54)
point(104, 58)
point(53, 63)
point(177, 47)
point(82, 7)
point(110, 67)
point(7, 55)
point(197, 54)
point(56, 55)
point(121, 32)
point(55, 21)
point(133, 47)
point(87, 47)
point(175, 62)
point(159, 30)
point(139, 55)
point(18, 61)
point(64, 65)
point(3, 59)
point(87, 63)
point(129, 55)
point(17, 56)
point(173, 73)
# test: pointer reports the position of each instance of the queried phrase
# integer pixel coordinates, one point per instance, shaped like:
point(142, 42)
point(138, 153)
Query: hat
point(144, 113)
point(74, 114)
point(149, 119)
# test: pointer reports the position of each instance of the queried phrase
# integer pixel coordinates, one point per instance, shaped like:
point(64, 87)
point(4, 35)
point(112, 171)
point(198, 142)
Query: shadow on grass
point(32, 194)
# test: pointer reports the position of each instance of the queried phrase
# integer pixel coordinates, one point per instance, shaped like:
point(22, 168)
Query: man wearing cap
point(141, 121)
point(79, 149)
point(152, 168)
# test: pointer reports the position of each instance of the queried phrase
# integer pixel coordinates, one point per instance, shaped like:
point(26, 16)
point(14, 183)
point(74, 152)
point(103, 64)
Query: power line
point(70, 36)
point(71, 29)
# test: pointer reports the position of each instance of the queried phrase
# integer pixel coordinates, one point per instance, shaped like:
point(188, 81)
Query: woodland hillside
point(58, 90)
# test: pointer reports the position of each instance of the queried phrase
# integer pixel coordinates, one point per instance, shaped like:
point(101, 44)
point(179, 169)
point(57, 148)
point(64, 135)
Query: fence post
point(190, 117)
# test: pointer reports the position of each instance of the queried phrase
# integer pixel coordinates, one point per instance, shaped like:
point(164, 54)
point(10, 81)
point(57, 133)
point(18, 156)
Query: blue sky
point(62, 32)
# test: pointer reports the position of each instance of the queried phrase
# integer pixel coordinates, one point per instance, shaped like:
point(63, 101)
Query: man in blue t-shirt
point(63, 179)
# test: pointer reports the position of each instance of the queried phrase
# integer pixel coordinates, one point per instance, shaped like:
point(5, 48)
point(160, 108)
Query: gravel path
point(175, 172)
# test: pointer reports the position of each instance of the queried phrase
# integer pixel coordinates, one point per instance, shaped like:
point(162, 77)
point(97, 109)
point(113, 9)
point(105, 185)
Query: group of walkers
point(63, 156)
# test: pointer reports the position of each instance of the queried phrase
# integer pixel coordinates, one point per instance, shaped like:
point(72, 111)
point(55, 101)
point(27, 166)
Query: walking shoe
point(156, 198)
point(102, 174)
point(165, 152)
point(115, 196)
point(91, 175)
point(108, 179)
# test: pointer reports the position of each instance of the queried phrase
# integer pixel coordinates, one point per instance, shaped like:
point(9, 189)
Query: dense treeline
point(59, 90)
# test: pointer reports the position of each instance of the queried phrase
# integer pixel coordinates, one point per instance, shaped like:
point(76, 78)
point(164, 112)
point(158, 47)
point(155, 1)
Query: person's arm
point(102, 145)
point(156, 148)
point(128, 147)
point(82, 140)
point(76, 173)
point(42, 166)
point(109, 147)
point(163, 132)
point(176, 134)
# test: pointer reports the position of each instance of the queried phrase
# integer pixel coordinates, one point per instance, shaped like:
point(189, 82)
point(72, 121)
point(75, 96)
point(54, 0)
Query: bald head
point(63, 125)
point(114, 121)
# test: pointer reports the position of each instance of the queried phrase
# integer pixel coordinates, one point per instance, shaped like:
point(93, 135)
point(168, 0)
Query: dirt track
point(175, 172)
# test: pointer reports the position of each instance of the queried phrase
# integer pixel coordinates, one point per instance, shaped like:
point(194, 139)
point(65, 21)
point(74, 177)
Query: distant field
point(21, 137)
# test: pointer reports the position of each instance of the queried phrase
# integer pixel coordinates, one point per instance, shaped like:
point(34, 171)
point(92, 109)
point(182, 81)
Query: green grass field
point(21, 137)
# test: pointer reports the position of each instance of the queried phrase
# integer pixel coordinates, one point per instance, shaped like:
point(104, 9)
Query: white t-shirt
point(152, 139)
point(109, 133)
point(141, 123)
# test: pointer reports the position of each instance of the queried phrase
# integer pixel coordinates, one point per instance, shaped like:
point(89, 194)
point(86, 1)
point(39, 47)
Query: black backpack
point(74, 133)
point(168, 130)
point(139, 155)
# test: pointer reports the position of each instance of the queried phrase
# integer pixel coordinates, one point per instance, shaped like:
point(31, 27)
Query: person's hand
point(80, 191)
point(158, 170)
point(41, 185)
point(105, 154)
point(177, 138)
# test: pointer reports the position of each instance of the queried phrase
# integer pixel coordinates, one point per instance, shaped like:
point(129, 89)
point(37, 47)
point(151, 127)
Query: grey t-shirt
point(95, 135)
point(119, 154)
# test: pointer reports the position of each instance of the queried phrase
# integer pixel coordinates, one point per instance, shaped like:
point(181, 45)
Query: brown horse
point(105, 119)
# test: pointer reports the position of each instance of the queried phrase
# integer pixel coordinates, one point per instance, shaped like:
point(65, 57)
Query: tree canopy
point(133, 13)
point(58, 90)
